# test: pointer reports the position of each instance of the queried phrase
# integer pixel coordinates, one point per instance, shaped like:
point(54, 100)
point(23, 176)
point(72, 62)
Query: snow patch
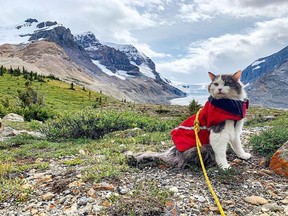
point(121, 74)
point(146, 71)
point(257, 67)
point(257, 62)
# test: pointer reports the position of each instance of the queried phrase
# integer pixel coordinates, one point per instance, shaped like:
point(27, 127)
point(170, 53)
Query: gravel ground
point(59, 190)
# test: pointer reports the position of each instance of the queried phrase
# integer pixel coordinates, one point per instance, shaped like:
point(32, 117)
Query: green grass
point(58, 95)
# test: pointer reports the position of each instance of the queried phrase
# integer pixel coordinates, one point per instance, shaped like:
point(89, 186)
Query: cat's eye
point(216, 84)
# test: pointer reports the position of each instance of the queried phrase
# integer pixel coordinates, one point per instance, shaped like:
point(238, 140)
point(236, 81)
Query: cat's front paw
point(224, 166)
point(245, 156)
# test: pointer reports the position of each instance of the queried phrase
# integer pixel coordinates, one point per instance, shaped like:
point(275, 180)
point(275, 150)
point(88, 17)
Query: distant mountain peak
point(31, 20)
point(87, 40)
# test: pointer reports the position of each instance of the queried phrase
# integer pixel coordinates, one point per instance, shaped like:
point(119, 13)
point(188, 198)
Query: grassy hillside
point(58, 95)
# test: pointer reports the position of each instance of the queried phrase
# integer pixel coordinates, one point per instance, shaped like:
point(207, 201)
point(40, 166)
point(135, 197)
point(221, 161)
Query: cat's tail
point(172, 157)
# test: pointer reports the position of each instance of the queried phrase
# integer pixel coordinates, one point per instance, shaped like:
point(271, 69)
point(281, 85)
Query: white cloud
point(230, 52)
point(208, 9)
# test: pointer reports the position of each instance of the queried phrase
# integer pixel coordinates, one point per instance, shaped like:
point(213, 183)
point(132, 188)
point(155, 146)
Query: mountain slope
point(264, 65)
point(267, 80)
point(95, 65)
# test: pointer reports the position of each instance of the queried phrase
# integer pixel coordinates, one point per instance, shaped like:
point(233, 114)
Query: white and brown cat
point(221, 122)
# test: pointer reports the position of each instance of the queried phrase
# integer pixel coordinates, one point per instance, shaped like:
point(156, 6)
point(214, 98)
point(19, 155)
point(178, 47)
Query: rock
point(8, 132)
point(171, 209)
point(201, 199)
point(279, 161)
point(286, 210)
point(82, 201)
point(72, 210)
point(96, 209)
point(255, 200)
point(91, 192)
point(285, 201)
point(13, 117)
point(272, 207)
point(27, 186)
point(173, 189)
point(123, 191)
point(76, 184)
point(103, 186)
point(82, 152)
point(48, 196)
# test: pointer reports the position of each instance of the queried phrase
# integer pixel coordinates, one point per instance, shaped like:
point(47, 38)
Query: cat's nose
point(219, 89)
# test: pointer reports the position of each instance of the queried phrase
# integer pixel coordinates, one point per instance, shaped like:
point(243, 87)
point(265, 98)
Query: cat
point(221, 121)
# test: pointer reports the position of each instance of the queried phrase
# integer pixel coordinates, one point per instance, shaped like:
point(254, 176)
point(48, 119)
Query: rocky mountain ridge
point(267, 80)
point(112, 71)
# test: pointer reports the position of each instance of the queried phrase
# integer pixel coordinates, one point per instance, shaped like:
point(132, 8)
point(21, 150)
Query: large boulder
point(279, 161)
point(13, 117)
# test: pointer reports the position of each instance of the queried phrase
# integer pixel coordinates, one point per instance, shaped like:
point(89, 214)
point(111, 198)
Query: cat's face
point(226, 86)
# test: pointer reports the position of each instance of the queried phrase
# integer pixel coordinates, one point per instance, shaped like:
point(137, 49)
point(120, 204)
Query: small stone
point(76, 184)
point(106, 203)
point(82, 152)
point(38, 160)
point(34, 211)
point(27, 186)
point(173, 189)
point(38, 175)
point(285, 201)
point(228, 202)
point(91, 192)
point(48, 196)
point(123, 191)
point(103, 186)
point(214, 209)
point(96, 209)
point(255, 200)
point(286, 210)
point(72, 210)
point(272, 207)
point(82, 201)
point(201, 199)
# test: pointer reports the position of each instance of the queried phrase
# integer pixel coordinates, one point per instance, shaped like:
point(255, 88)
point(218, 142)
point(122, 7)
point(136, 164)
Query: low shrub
point(268, 141)
point(94, 124)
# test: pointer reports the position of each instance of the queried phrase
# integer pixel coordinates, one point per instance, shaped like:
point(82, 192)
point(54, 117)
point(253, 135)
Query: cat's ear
point(237, 75)
point(212, 76)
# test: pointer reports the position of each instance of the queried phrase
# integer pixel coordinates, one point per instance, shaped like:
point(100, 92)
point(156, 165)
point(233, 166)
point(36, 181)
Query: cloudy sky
point(185, 38)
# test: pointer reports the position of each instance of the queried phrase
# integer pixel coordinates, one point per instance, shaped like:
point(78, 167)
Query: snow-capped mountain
point(264, 65)
point(267, 80)
point(122, 61)
point(50, 48)
point(21, 33)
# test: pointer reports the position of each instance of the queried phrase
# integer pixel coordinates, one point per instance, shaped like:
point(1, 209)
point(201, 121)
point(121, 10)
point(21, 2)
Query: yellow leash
point(198, 145)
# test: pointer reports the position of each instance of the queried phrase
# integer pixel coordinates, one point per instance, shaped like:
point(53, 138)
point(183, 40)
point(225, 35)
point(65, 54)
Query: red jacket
point(213, 113)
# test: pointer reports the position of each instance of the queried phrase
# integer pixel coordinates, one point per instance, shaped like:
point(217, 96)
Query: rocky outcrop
point(59, 35)
point(13, 117)
point(111, 58)
point(279, 161)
